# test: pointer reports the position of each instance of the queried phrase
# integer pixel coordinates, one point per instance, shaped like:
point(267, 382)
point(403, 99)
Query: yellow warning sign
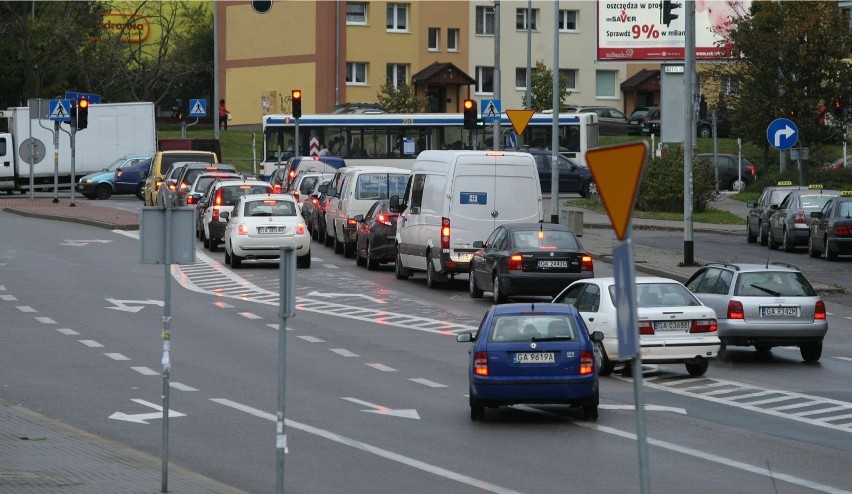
point(520, 119)
point(617, 171)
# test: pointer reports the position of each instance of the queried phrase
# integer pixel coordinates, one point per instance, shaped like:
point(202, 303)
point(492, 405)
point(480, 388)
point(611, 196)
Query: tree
point(541, 90)
point(791, 60)
point(401, 98)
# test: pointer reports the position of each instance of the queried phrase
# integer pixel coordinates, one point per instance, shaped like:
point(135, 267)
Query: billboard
point(639, 31)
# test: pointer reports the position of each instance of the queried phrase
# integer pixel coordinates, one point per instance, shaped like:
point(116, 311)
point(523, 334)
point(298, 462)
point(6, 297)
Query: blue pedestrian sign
point(490, 110)
point(198, 108)
point(782, 133)
point(60, 110)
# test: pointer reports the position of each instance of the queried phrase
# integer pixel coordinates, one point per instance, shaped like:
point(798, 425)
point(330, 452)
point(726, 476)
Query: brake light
point(276, 189)
point(292, 174)
point(587, 363)
point(157, 183)
point(646, 327)
point(445, 233)
point(215, 213)
point(119, 173)
point(480, 364)
point(242, 230)
point(384, 219)
point(296, 195)
point(735, 310)
point(819, 310)
point(842, 230)
point(314, 201)
point(516, 262)
point(350, 222)
point(217, 201)
point(587, 264)
point(172, 186)
point(300, 228)
point(800, 217)
point(191, 200)
point(703, 326)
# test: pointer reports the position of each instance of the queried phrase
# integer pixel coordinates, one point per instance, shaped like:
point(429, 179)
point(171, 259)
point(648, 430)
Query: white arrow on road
point(648, 408)
point(78, 243)
point(409, 413)
point(122, 305)
point(337, 295)
point(140, 418)
point(787, 131)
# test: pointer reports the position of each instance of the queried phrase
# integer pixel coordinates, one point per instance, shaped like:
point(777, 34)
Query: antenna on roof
point(767, 257)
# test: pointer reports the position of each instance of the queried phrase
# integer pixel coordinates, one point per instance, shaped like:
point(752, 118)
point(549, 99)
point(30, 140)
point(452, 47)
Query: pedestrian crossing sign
point(197, 108)
point(491, 110)
point(60, 110)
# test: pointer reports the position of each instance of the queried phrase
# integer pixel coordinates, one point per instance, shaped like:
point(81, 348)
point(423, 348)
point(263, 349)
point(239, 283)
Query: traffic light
point(296, 96)
point(470, 116)
point(666, 15)
point(837, 109)
point(82, 113)
point(794, 112)
point(72, 110)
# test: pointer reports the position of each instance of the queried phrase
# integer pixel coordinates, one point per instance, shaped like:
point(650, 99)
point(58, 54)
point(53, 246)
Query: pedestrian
point(223, 115)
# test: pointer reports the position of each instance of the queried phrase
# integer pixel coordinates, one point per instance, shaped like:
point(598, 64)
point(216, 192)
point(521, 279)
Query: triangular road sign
point(490, 110)
point(520, 119)
point(617, 171)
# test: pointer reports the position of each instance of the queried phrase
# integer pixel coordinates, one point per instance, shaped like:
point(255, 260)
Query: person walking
point(223, 115)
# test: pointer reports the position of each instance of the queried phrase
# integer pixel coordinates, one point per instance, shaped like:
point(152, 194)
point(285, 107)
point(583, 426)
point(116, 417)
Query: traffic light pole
point(496, 135)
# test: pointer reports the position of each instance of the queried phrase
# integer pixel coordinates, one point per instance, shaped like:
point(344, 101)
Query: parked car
point(757, 220)
point(131, 179)
point(611, 121)
point(526, 353)
point(221, 196)
point(101, 184)
point(638, 118)
point(573, 177)
point(831, 228)
point(674, 326)
point(527, 259)
point(763, 305)
point(703, 126)
point(838, 164)
point(375, 234)
point(735, 172)
point(790, 223)
point(260, 224)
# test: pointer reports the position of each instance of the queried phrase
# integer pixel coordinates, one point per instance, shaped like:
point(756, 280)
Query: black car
point(639, 117)
point(831, 228)
point(757, 220)
point(375, 234)
point(703, 126)
point(186, 176)
point(730, 170)
point(573, 177)
point(316, 222)
point(537, 259)
point(790, 223)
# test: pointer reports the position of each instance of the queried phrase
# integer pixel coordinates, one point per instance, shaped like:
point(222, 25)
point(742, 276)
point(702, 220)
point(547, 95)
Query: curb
point(72, 219)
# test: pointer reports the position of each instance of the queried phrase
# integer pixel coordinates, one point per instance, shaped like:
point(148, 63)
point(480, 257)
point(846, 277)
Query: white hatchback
point(674, 326)
point(260, 224)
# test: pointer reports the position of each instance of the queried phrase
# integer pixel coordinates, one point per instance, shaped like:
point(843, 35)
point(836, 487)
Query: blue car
point(131, 179)
point(537, 354)
point(101, 184)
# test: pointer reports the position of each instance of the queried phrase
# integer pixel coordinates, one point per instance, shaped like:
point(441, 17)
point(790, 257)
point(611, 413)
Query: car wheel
point(477, 410)
point(606, 365)
point(304, 261)
point(140, 189)
point(359, 261)
point(787, 243)
point(103, 191)
point(770, 242)
point(338, 245)
point(227, 256)
point(590, 408)
point(372, 263)
point(737, 185)
point(830, 254)
point(764, 349)
point(475, 291)
point(705, 131)
point(811, 352)
point(584, 190)
point(214, 244)
point(764, 239)
point(812, 252)
point(497, 292)
point(236, 261)
point(205, 239)
point(348, 249)
point(750, 237)
point(400, 271)
point(430, 273)
point(698, 368)
point(328, 241)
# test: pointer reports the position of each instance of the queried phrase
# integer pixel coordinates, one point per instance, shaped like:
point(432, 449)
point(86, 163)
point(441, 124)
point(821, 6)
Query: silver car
point(763, 305)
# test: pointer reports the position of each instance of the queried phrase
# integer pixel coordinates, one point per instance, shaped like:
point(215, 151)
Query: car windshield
point(510, 328)
point(661, 295)
point(544, 240)
point(270, 207)
point(115, 164)
point(774, 284)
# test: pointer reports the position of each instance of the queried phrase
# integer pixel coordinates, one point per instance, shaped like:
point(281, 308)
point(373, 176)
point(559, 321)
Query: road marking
point(45, 320)
point(381, 367)
point(145, 371)
point(142, 418)
point(91, 343)
point(8, 297)
point(26, 308)
point(368, 448)
point(848, 359)
point(117, 356)
point(648, 408)
point(343, 295)
point(311, 339)
point(223, 305)
point(250, 315)
point(343, 352)
point(131, 305)
point(426, 382)
point(181, 387)
point(408, 413)
point(330, 266)
point(67, 331)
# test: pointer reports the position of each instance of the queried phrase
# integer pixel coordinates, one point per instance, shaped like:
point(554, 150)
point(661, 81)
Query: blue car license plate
point(535, 358)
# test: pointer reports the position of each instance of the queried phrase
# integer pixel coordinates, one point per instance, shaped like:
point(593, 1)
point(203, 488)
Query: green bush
point(661, 188)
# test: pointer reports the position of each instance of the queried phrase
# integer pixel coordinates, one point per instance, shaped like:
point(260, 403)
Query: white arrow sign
point(786, 132)
point(409, 413)
point(141, 418)
point(122, 305)
point(78, 243)
point(337, 295)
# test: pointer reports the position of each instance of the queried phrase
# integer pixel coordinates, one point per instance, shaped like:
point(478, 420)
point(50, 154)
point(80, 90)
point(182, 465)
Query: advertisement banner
point(642, 31)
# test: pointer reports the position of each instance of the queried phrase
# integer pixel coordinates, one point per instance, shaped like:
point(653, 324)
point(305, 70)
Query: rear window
point(661, 295)
point(270, 208)
point(510, 328)
point(774, 284)
point(814, 201)
point(375, 186)
point(545, 240)
point(230, 193)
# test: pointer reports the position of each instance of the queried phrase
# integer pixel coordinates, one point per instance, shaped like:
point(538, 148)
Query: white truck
point(114, 130)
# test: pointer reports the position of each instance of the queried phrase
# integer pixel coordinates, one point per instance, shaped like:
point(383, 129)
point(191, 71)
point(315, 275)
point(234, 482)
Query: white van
point(359, 188)
point(455, 198)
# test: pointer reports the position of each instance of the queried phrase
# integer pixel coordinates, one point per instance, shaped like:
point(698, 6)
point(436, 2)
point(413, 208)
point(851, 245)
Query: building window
point(434, 37)
point(567, 20)
point(731, 85)
point(485, 20)
point(521, 77)
point(521, 19)
point(485, 80)
point(397, 17)
point(356, 73)
point(356, 13)
point(605, 83)
point(570, 76)
point(452, 40)
point(397, 74)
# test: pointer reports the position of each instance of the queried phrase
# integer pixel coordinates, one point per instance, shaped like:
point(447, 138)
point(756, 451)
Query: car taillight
point(242, 230)
point(157, 184)
point(300, 228)
point(703, 326)
point(735, 310)
point(351, 223)
point(842, 230)
point(296, 195)
point(516, 261)
point(800, 217)
point(752, 170)
point(646, 327)
point(480, 364)
point(217, 201)
point(191, 200)
point(819, 310)
point(276, 189)
point(445, 233)
point(586, 264)
point(292, 174)
point(314, 201)
point(587, 363)
point(384, 219)
point(325, 208)
point(172, 186)
point(119, 173)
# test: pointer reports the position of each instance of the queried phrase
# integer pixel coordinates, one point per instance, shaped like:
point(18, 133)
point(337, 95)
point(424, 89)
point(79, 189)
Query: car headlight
point(89, 181)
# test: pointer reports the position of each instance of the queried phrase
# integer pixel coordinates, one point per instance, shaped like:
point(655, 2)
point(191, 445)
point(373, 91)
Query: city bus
point(395, 139)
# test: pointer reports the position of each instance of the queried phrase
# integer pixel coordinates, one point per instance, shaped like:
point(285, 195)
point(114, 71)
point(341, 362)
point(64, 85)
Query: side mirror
point(225, 215)
point(816, 214)
point(751, 205)
point(597, 336)
point(774, 207)
point(396, 206)
point(322, 189)
point(202, 203)
point(479, 244)
point(468, 337)
point(359, 218)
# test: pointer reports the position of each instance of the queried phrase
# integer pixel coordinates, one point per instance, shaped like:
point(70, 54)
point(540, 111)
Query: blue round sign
point(782, 133)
